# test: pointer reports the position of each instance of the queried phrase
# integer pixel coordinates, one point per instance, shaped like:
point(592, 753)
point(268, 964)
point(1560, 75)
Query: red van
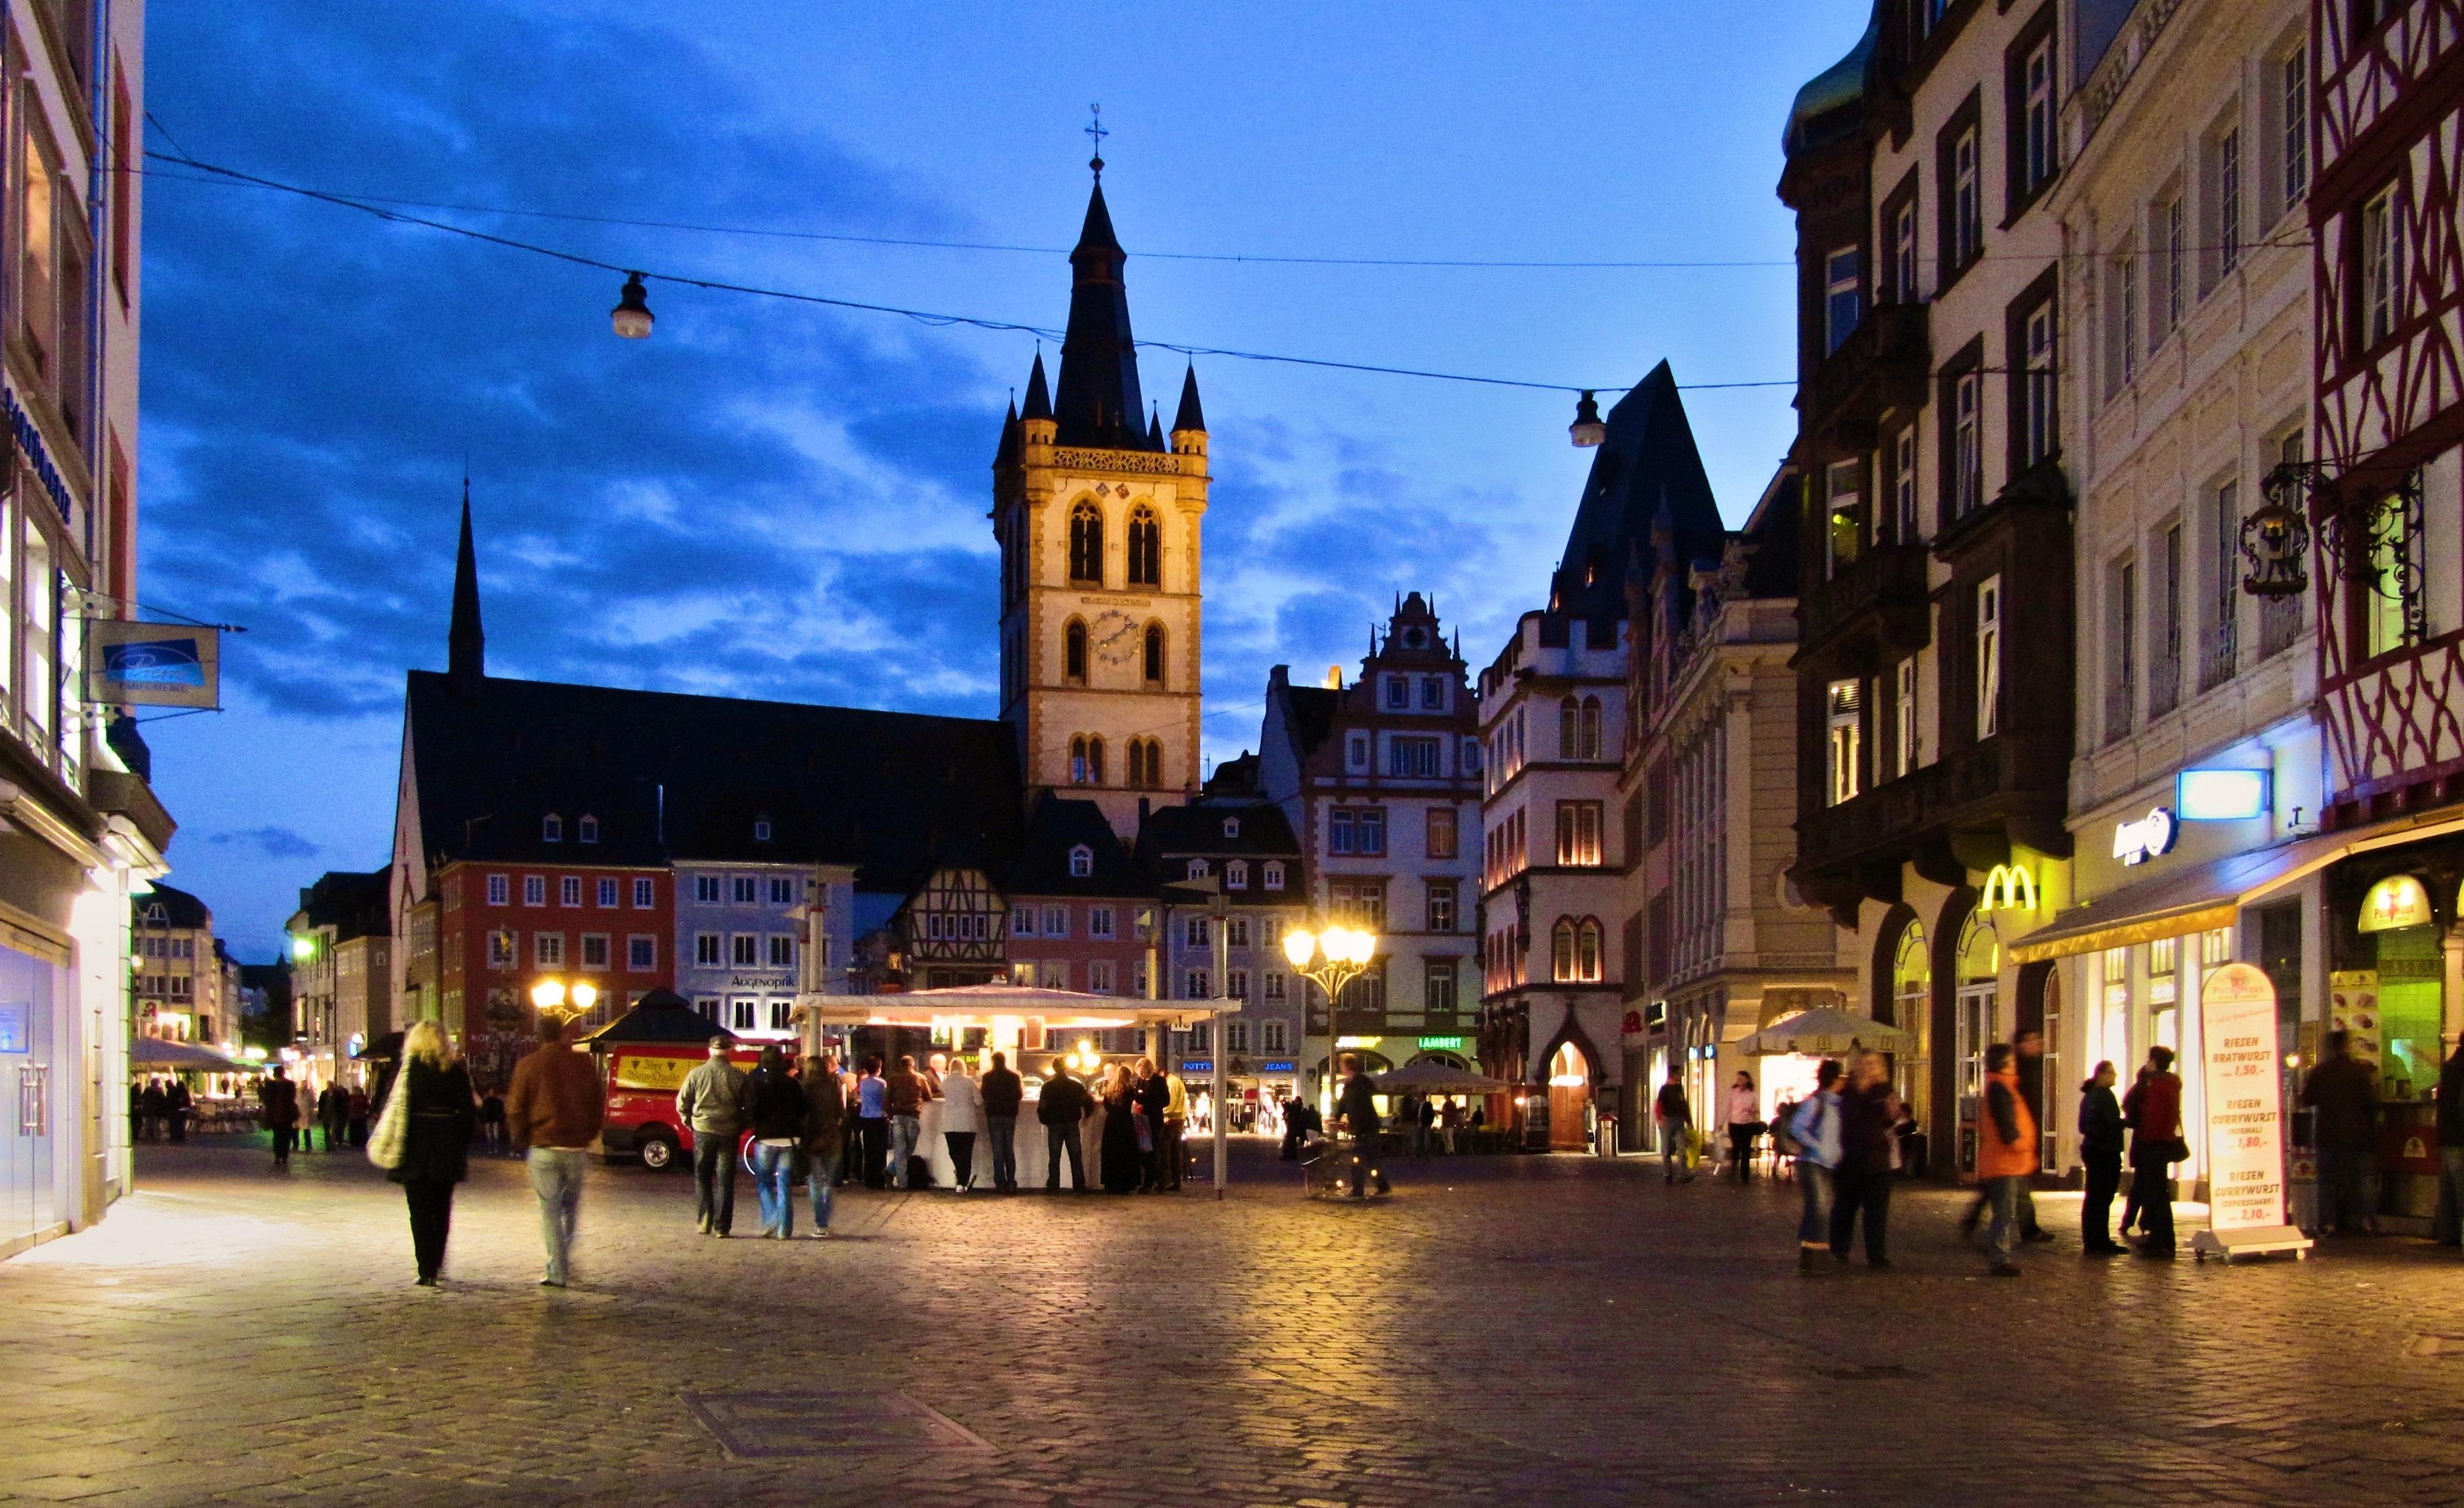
point(643, 1057)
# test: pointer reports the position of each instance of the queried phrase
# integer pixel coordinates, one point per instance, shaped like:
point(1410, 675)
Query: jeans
point(715, 1180)
point(825, 1173)
point(2150, 1186)
point(556, 1177)
point(432, 1221)
point(1365, 1163)
point(2344, 1188)
point(2095, 1211)
point(1870, 1193)
point(1672, 1149)
point(905, 1131)
point(1813, 1187)
point(1741, 1148)
point(962, 1157)
point(1003, 1131)
point(875, 1132)
point(774, 1174)
point(1058, 1139)
point(2004, 1236)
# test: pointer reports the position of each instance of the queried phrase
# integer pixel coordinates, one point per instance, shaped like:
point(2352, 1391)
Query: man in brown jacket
point(555, 1108)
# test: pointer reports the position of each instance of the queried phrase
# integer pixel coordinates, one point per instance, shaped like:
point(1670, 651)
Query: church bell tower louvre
point(1098, 515)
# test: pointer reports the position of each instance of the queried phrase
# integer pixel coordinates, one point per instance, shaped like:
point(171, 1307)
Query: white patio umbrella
point(1825, 1031)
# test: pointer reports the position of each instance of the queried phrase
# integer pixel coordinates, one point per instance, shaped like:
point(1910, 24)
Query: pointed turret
point(1039, 397)
point(1097, 400)
point(1191, 416)
point(1154, 429)
point(466, 643)
point(1010, 445)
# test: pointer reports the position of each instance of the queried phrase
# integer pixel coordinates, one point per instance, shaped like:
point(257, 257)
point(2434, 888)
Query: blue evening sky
point(779, 500)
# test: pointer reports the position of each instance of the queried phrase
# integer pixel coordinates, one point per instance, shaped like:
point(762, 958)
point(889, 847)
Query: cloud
point(272, 840)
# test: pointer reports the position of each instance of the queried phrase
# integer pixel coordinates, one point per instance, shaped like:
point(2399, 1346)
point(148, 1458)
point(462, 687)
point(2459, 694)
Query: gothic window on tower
point(1146, 548)
point(1073, 651)
point(1087, 543)
point(1154, 654)
point(1085, 761)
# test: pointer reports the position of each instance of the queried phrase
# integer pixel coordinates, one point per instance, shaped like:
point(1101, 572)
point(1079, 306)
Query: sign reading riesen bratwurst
point(2245, 1101)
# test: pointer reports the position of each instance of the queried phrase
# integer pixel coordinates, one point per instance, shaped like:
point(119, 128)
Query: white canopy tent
point(1825, 1031)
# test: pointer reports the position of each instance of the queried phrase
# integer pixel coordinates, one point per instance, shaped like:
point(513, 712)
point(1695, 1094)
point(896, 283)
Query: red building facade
point(507, 927)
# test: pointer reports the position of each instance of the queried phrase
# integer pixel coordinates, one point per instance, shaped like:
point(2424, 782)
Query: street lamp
point(1587, 430)
point(553, 999)
point(1333, 957)
point(632, 315)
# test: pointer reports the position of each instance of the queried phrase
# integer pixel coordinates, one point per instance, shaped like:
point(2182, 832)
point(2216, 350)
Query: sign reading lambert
point(2245, 1119)
point(152, 664)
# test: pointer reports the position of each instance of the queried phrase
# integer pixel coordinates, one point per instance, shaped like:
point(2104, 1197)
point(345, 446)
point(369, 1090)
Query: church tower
point(1098, 516)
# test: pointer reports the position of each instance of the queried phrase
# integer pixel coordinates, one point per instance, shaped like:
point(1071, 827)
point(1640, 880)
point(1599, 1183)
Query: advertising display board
point(2245, 1099)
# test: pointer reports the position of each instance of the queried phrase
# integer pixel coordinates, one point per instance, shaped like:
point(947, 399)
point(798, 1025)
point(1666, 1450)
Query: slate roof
point(1648, 463)
point(1057, 825)
point(180, 908)
point(353, 903)
point(672, 775)
point(1312, 711)
point(1096, 402)
point(1175, 835)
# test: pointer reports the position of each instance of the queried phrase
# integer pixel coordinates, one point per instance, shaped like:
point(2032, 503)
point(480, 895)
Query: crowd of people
point(159, 1110)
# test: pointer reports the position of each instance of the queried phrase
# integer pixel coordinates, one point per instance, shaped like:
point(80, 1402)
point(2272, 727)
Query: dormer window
point(1198, 869)
point(586, 830)
point(1272, 873)
point(1082, 862)
point(551, 829)
point(762, 829)
point(1236, 875)
point(1231, 827)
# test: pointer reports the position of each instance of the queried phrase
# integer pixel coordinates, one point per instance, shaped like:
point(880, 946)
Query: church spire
point(1099, 401)
point(467, 646)
point(1190, 415)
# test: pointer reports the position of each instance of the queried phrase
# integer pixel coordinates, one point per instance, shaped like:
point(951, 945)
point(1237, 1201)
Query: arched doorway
point(1912, 1012)
point(1978, 970)
point(1570, 1098)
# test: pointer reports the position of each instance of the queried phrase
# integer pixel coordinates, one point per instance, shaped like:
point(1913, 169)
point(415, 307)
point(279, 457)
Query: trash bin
point(1604, 1135)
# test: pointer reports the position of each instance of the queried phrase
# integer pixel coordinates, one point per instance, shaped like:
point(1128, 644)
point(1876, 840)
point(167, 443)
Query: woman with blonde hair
point(440, 1112)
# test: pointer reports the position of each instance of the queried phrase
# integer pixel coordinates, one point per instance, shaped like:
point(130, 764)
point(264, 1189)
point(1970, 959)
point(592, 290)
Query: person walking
point(1867, 1111)
point(2028, 1050)
point(1676, 1122)
point(962, 1120)
point(905, 1093)
point(1356, 1110)
point(1122, 1163)
point(1300, 1121)
point(2099, 1123)
point(2006, 1152)
point(151, 1110)
point(872, 1122)
point(1003, 1092)
point(2155, 1144)
point(1815, 1128)
point(357, 1117)
point(492, 1122)
point(711, 1101)
point(336, 1117)
point(440, 1113)
point(178, 1104)
point(774, 1105)
point(1061, 1109)
point(553, 1114)
point(278, 1106)
point(825, 1122)
point(1742, 1114)
point(2344, 1093)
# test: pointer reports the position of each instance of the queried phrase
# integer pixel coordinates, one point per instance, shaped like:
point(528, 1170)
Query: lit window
point(1843, 700)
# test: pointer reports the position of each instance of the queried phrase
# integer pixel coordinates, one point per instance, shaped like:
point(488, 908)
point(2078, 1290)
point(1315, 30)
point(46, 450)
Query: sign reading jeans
point(2245, 1118)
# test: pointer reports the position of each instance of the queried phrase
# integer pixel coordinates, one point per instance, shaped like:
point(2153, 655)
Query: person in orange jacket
point(2006, 1152)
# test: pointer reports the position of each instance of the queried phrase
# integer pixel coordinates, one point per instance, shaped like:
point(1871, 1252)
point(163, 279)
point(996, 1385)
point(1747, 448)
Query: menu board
point(2245, 1101)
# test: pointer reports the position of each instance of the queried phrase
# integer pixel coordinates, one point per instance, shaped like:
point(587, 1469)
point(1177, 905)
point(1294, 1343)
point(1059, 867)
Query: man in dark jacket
point(826, 1124)
point(1064, 1104)
point(2344, 1095)
point(554, 1109)
point(1356, 1110)
point(281, 1099)
point(1003, 1092)
point(2099, 1123)
point(1676, 1118)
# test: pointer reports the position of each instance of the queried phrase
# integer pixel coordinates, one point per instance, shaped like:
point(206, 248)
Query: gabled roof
point(1648, 463)
point(355, 905)
point(1312, 714)
point(179, 908)
point(1057, 826)
point(892, 793)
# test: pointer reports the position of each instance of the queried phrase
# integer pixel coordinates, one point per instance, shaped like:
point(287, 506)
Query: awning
point(1826, 1032)
point(979, 1004)
point(2209, 895)
point(157, 1052)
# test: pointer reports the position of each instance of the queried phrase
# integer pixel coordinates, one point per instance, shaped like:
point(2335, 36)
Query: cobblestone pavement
point(1501, 1330)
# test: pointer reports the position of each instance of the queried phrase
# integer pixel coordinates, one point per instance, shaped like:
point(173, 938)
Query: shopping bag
point(388, 1141)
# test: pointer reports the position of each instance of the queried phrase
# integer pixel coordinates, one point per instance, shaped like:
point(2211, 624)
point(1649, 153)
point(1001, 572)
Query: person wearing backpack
point(1815, 1129)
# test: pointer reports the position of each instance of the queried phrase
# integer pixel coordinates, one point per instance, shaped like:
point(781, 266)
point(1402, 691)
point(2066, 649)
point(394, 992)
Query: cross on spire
point(1096, 132)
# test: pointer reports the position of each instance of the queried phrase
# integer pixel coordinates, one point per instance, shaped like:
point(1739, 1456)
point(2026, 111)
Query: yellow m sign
point(2009, 887)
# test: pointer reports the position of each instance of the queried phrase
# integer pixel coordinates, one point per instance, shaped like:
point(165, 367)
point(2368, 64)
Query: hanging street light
point(632, 315)
point(1587, 430)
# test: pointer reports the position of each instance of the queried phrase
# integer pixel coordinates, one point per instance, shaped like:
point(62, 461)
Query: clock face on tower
point(1114, 636)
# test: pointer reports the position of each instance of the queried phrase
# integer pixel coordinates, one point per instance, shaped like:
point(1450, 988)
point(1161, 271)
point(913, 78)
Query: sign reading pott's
point(152, 664)
point(2245, 1118)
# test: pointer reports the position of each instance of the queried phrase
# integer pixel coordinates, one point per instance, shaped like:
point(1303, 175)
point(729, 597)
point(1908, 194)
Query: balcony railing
point(1889, 578)
point(1964, 788)
point(1882, 364)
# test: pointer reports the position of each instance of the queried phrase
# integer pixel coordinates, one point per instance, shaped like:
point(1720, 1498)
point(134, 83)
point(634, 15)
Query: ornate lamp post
point(1331, 957)
point(553, 999)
